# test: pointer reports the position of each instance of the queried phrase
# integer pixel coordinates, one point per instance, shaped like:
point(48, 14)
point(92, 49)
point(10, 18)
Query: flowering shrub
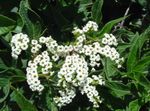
point(66, 56)
point(80, 59)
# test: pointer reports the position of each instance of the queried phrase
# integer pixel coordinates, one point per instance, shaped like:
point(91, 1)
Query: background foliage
point(127, 89)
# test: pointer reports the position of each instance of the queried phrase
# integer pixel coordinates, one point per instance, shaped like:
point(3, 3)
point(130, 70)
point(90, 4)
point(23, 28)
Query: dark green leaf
point(122, 47)
point(8, 37)
point(118, 89)
point(139, 77)
point(142, 64)
point(19, 24)
point(6, 91)
point(4, 82)
point(30, 19)
point(5, 85)
point(6, 24)
point(109, 68)
point(4, 30)
point(5, 108)
point(132, 57)
point(17, 79)
point(17, 71)
point(143, 37)
point(108, 26)
point(83, 8)
point(142, 2)
point(96, 11)
point(5, 21)
point(23, 103)
point(134, 105)
point(3, 67)
point(135, 49)
point(50, 104)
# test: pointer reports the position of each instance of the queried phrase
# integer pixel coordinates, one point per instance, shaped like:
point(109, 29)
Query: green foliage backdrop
point(125, 89)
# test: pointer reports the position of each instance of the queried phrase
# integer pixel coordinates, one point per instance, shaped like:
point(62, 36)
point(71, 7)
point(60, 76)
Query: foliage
point(125, 89)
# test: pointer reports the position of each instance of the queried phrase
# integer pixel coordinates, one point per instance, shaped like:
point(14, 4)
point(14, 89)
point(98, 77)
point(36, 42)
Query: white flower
point(90, 26)
point(55, 57)
point(19, 42)
point(34, 42)
point(42, 39)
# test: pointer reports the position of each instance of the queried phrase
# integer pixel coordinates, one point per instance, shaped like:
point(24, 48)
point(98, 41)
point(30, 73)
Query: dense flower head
point(66, 97)
point(43, 61)
point(19, 42)
point(74, 70)
point(70, 66)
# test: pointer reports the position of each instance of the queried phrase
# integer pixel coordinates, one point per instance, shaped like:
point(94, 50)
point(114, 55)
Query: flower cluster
point(109, 39)
point(65, 98)
point(35, 46)
point(74, 71)
point(41, 61)
point(90, 26)
point(90, 90)
point(19, 42)
point(71, 66)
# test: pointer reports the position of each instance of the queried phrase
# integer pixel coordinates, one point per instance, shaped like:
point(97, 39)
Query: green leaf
point(118, 89)
point(19, 24)
point(96, 11)
point(134, 105)
point(142, 64)
point(108, 26)
point(142, 80)
point(109, 68)
point(50, 104)
point(8, 37)
point(83, 8)
point(143, 37)
point(6, 91)
point(122, 47)
point(53, 107)
point(15, 79)
point(3, 67)
point(135, 50)
point(5, 85)
point(4, 30)
point(132, 56)
point(5, 108)
point(6, 24)
point(143, 2)
point(31, 20)
point(18, 72)
point(5, 21)
point(23, 103)
point(4, 82)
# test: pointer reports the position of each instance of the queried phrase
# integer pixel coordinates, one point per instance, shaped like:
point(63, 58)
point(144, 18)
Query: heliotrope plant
point(69, 68)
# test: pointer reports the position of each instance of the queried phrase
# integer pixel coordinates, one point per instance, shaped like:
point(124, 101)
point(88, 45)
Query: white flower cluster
point(35, 46)
point(79, 59)
point(74, 71)
point(65, 98)
point(106, 51)
point(109, 39)
point(90, 89)
point(90, 26)
point(42, 61)
point(54, 48)
point(96, 50)
point(19, 42)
